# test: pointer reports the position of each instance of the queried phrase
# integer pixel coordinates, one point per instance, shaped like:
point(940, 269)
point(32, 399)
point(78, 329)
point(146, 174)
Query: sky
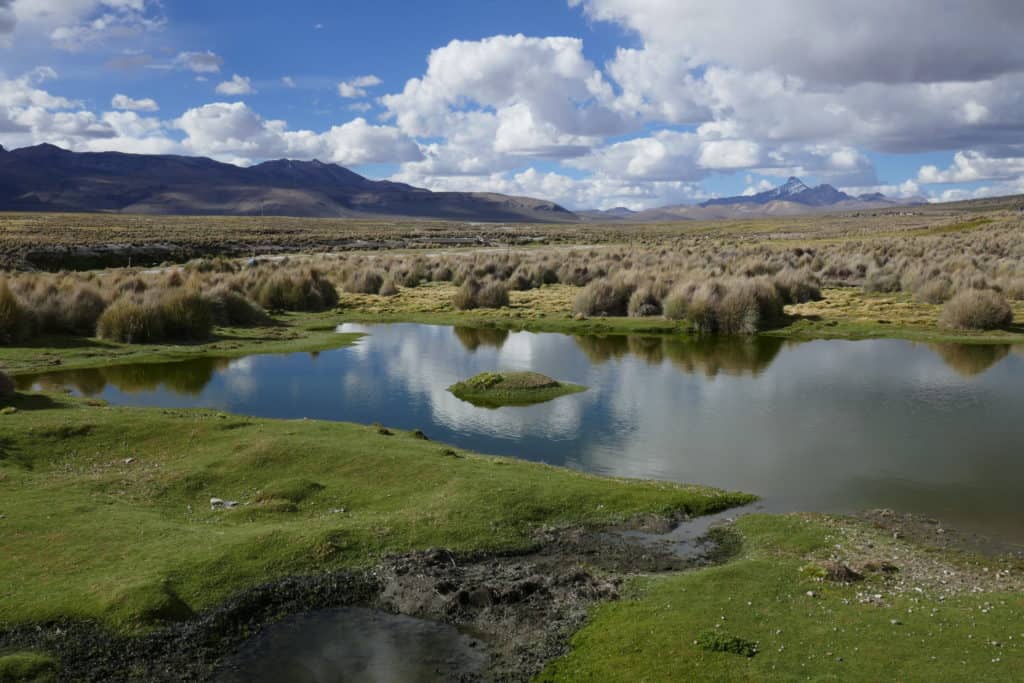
point(589, 103)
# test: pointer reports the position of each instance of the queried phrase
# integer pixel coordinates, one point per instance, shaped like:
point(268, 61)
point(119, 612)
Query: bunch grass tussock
point(718, 280)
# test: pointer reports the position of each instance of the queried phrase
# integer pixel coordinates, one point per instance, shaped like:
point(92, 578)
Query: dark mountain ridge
point(48, 178)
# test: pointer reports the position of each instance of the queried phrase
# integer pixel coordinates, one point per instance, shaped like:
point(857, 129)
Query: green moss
point(686, 627)
point(27, 667)
point(495, 389)
point(88, 534)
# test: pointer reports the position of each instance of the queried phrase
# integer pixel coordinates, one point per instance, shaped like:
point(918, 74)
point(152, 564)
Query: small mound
point(496, 389)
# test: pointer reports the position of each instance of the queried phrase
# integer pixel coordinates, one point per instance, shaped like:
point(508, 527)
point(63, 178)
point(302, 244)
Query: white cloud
point(233, 131)
point(356, 87)
point(729, 154)
point(238, 85)
point(288, 82)
point(76, 25)
point(124, 102)
point(971, 166)
point(549, 78)
point(841, 41)
point(199, 62)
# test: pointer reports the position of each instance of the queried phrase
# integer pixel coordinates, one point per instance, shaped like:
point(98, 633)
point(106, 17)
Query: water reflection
point(473, 338)
point(352, 644)
point(968, 360)
point(187, 378)
point(824, 425)
point(708, 356)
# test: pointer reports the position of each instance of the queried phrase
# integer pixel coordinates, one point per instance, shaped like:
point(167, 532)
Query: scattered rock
point(840, 572)
point(129, 461)
point(417, 434)
point(220, 504)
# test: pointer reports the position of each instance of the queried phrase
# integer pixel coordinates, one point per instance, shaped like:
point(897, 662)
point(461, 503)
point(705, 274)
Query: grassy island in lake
point(495, 389)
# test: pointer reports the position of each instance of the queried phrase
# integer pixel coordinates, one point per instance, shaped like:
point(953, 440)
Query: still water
point(820, 426)
point(357, 646)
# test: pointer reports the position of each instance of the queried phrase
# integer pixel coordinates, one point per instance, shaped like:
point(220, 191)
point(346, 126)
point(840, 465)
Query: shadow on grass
point(31, 402)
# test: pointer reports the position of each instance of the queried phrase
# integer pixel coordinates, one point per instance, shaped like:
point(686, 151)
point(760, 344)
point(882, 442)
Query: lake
point(830, 426)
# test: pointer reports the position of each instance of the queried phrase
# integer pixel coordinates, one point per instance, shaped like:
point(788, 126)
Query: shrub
point(643, 303)
point(881, 281)
point(798, 286)
point(229, 307)
point(296, 291)
point(493, 295)
point(676, 305)
point(935, 291)
point(364, 282)
point(703, 308)
point(465, 298)
point(15, 321)
point(390, 289)
point(176, 314)
point(185, 315)
point(748, 306)
point(976, 309)
point(85, 308)
point(130, 321)
point(603, 297)
point(1014, 289)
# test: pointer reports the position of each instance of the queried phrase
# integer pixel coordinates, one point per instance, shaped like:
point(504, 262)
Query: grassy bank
point(289, 333)
point(843, 313)
point(106, 512)
point(916, 615)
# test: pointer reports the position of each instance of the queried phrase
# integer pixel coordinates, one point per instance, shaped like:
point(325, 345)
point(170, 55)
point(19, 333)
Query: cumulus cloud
point(199, 62)
point(842, 41)
point(356, 87)
point(238, 85)
point(124, 102)
point(234, 132)
point(971, 166)
point(547, 78)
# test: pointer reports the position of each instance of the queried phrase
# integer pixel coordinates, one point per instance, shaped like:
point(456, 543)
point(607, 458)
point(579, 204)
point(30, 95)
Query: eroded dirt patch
point(523, 607)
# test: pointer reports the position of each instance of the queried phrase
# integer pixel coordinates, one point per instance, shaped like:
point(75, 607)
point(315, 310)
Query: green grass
point(88, 533)
point(290, 333)
point(705, 625)
point(495, 389)
point(27, 667)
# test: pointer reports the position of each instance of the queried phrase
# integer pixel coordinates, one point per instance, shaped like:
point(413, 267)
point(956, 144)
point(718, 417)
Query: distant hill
point(792, 198)
point(48, 178)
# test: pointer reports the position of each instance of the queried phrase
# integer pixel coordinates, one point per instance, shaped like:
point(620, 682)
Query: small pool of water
point(355, 645)
point(819, 426)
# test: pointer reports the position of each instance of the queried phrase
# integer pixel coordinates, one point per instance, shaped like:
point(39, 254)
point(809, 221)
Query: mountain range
point(792, 198)
point(48, 178)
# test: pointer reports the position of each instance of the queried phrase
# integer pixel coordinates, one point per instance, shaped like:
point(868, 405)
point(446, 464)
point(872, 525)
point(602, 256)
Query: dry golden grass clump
point(976, 309)
point(156, 317)
point(15, 321)
point(297, 290)
point(472, 294)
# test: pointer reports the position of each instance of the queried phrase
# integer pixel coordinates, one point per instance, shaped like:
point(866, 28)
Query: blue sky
point(592, 103)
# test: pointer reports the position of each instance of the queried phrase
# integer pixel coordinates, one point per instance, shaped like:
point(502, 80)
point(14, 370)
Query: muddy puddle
point(357, 645)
